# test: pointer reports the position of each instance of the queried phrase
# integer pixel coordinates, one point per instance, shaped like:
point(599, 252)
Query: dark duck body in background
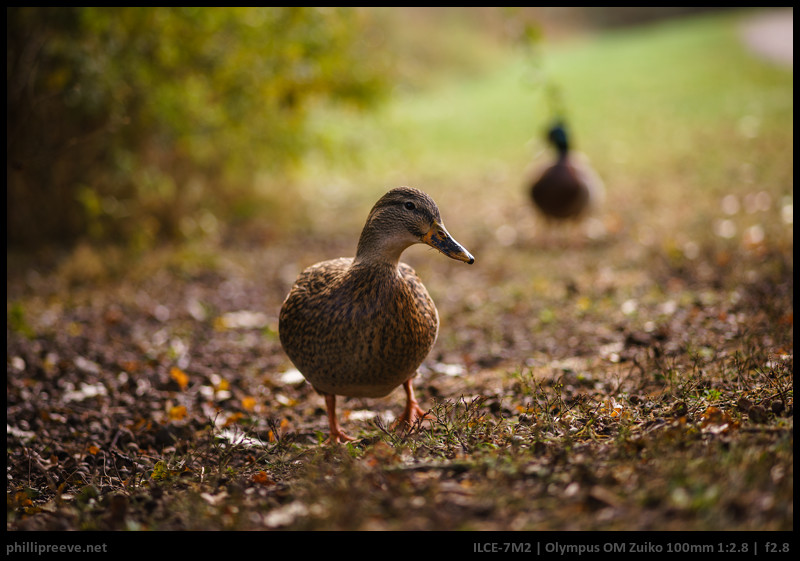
point(361, 326)
point(568, 189)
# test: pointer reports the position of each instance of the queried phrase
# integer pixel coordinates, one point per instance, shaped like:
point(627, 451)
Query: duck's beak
point(439, 238)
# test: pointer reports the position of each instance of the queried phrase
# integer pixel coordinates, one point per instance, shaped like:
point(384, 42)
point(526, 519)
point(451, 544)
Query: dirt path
point(771, 35)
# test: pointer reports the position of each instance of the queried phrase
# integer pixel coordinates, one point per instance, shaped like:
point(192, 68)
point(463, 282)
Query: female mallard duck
point(361, 326)
point(568, 188)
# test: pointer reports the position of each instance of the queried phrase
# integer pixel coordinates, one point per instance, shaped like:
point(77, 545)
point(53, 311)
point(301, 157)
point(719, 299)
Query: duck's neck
point(560, 141)
point(379, 253)
point(379, 250)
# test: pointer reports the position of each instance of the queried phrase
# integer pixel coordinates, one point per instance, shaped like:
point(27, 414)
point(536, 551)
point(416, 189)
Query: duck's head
point(402, 217)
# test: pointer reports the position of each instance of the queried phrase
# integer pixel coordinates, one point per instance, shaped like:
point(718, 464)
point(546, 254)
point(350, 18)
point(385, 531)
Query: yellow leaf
point(159, 470)
point(222, 385)
point(179, 376)
point(93, 450)
point(177, 413)
point(22, 499)
point(248, 403)
point(234, 417)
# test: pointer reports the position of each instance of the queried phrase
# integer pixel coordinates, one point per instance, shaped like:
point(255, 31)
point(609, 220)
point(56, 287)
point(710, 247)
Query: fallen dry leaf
point(261, 478)
point(177, 413)
point(179, 376)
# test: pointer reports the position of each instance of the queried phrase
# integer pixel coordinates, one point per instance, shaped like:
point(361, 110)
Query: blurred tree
point(122, 121)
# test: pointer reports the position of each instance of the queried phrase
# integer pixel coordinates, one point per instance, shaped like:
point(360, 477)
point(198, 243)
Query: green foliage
point(126, 121)
point(15, 319)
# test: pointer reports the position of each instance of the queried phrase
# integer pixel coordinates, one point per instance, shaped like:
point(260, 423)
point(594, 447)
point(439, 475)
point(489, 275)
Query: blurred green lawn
point(674, 115)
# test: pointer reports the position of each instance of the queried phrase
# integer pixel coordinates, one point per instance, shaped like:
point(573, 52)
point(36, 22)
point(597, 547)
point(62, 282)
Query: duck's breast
point(560, 191)
point(358, 331)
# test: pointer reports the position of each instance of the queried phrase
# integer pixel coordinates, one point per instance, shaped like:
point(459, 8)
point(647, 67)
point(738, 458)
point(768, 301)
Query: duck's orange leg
point(413, 411)
point(337, 435)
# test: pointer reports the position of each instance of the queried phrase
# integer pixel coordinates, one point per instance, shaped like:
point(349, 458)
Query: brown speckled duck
point(361, 326)
point(569, 188)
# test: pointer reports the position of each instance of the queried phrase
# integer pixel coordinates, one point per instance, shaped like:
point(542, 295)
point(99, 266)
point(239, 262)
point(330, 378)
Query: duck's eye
point(410, 206)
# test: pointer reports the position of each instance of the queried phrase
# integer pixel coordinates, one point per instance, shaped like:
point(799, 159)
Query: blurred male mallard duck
point(569, 188)
point(361, 326)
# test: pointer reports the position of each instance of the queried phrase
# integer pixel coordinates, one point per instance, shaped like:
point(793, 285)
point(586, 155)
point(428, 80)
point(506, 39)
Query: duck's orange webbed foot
point(412, 412)
point(337, 436)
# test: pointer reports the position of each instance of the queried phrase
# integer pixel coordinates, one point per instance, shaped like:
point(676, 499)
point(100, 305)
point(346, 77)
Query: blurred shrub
point(125, 122)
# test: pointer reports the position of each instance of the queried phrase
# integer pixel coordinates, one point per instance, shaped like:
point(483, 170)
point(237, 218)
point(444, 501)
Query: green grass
point(665, 112)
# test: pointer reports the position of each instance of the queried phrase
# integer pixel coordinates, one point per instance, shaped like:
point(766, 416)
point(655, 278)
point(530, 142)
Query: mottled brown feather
point(359, 330)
